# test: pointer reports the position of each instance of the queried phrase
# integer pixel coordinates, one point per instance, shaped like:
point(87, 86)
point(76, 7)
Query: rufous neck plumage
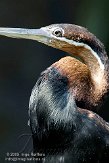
point(77, 41)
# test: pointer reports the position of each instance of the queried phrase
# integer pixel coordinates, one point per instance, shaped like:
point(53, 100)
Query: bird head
point(70, 38)
point(75, 40)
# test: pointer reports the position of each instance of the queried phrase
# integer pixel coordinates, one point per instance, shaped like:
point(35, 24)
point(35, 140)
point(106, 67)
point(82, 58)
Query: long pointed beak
point(33, 34)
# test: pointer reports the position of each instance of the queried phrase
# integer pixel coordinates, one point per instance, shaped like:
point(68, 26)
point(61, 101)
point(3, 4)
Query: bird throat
point(92, 72)
point(97, 68)
point(89, 73)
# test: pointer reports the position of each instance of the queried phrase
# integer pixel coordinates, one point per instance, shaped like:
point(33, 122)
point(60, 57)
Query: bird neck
point(98, 66)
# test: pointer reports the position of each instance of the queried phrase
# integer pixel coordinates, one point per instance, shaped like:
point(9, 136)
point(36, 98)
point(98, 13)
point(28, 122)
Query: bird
point(63, 103)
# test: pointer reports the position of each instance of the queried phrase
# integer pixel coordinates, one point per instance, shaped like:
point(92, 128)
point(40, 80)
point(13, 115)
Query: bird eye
point(58, 32)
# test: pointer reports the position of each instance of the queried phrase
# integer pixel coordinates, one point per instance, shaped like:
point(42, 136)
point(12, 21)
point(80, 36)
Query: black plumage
point(61, 130)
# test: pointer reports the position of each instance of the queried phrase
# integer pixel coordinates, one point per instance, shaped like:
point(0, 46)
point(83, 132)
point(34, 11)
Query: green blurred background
point(21, 61)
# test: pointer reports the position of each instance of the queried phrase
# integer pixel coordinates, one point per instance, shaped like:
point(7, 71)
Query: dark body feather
point(61, 130)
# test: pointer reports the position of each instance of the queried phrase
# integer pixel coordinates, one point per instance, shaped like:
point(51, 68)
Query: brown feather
point(80, 81)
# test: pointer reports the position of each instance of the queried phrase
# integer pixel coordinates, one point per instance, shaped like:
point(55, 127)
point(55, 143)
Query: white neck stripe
point(83, 45)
